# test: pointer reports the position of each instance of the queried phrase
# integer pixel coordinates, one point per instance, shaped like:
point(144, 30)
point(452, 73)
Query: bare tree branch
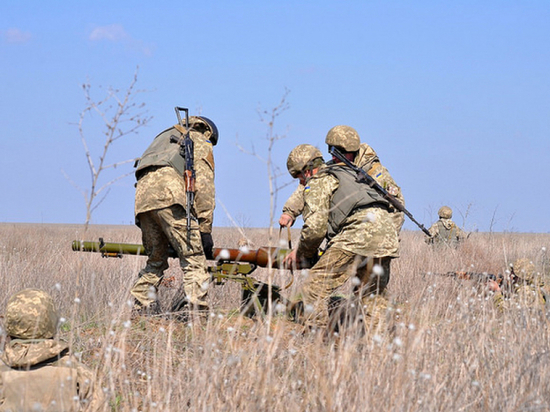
point(120, 116)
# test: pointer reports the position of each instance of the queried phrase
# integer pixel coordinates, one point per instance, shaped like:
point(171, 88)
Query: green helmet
point(302, 156)
point(343, 137)
point(31, 314)
point(205, 126)
point(445, 212)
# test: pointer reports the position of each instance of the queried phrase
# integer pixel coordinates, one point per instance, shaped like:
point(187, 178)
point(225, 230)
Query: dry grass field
point(449, 349)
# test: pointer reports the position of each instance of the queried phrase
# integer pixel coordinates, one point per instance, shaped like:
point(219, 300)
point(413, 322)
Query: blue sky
point(454, 97)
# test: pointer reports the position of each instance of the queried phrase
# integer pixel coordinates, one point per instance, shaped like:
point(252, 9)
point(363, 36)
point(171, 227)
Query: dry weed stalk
point(120, 116)
point(268, 117)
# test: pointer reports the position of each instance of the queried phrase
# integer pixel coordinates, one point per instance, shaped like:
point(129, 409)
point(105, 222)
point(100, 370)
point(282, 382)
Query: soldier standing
point(445, 231)
point(161, 213)
point(356, 221)
point(37, 373)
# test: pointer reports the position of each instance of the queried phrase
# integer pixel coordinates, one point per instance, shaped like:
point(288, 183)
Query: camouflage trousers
point(161, 229)
point(369, 277)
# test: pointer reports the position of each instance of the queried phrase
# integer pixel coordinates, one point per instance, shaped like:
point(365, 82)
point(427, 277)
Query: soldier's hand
point(286, 220)
point(492, 286)
point(290, 260)
point(207, 245)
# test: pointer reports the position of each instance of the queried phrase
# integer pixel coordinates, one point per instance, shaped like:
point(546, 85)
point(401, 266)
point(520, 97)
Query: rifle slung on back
point(187, 149)
point(364, 177)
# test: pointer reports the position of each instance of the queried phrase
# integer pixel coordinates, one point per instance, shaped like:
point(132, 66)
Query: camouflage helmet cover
point(525, 269)
point(31, 314)
point(445, 212)
point(343, 137)
point(300, 157)
point(206, 126)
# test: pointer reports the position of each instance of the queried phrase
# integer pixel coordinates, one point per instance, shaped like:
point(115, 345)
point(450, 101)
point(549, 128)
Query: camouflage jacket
point(294, 206)
point(365, 232)
point(524, 295)
point(163, 187)
point(38, 374)
point(368, 160)
point(445, 231)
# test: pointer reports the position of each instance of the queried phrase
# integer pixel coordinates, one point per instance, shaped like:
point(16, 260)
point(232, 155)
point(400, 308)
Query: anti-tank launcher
point(229, 265)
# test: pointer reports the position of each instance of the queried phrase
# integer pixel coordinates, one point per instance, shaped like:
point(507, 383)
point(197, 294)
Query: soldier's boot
point(184, 311)
point(153, 309)
point(345, 314)
point(179, 310)
point(198, 313)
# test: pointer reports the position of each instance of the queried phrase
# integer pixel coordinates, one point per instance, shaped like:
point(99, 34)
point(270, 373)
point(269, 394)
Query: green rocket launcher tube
point(262, 257)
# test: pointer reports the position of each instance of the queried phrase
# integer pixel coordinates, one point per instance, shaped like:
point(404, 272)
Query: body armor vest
point(447, 235)
point(349, 197)
point(162, 153)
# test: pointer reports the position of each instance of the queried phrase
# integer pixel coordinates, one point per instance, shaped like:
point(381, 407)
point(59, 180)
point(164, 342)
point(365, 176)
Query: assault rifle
point(230, 265)
point(480, 277)
point(187, 152)
point(505, 282)
point(364, 177)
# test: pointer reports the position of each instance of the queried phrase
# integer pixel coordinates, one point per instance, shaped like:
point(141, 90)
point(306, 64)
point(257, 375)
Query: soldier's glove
point(207, 245)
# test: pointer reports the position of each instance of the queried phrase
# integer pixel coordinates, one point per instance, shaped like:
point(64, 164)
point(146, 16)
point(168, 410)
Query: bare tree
point(268, 117)
point(120, 115)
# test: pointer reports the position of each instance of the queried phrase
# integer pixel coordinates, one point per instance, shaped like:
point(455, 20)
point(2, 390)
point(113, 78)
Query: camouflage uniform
point(37, 372)
point(528, 292)
point(368, 160)
point(160, 210)
point(445, 231)
point(366, 237)
point(294, 205)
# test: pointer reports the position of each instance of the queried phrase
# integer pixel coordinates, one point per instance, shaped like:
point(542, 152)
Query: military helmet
point(300, 157)
point(205, 126)
point(445, 212)
point(343, 137)
point(31, 314)
point(525, 269)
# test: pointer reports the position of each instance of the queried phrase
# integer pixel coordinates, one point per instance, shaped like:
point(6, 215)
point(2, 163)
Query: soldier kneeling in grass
point(357, 222)
point(524, 289)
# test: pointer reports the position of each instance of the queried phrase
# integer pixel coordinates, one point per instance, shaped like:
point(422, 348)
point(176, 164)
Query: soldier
point(356, 221)
point(525, 288)
point(368, 160)
point(445, 231)
point(160, 211)
point(37, 372)
point(294, 206)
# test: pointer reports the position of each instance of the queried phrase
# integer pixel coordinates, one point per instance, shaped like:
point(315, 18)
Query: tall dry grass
point(449, 349)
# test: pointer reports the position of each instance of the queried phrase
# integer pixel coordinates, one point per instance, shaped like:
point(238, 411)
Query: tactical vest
point(349, 197)
point(445, 235)
point(162, 153)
